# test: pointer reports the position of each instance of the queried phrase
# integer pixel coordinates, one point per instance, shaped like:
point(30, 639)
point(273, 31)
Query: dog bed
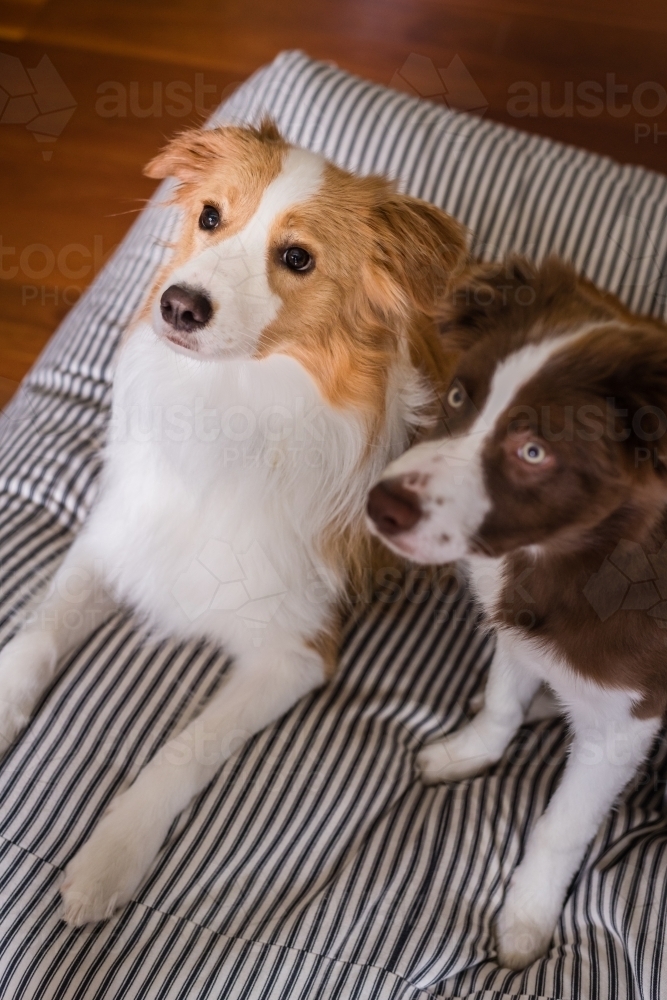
point(316, 865)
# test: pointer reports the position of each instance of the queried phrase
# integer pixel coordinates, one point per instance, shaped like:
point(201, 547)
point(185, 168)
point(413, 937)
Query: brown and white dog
point(284, 356)
point(554, 472)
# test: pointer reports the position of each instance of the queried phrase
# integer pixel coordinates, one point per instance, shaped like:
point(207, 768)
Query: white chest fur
point(574, 691)
point(219, 481)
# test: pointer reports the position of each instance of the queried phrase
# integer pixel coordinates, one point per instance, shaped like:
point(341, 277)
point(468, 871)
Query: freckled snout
point(392, 507)
point(185, 309)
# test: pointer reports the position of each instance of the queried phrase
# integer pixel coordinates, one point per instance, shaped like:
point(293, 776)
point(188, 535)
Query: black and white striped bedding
point(316, 866)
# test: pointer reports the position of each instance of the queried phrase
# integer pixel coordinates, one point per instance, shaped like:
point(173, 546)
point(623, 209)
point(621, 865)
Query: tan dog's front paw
point(520, 941)
point(461, 755)
point(106, 872)
point(13, 719)
point(23, 663)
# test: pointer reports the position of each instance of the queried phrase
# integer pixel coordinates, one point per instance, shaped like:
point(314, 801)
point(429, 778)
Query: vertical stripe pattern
point(316, 866)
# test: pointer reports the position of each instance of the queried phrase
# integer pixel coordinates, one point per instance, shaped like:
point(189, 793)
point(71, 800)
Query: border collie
point(554, 470)
point(284, 355)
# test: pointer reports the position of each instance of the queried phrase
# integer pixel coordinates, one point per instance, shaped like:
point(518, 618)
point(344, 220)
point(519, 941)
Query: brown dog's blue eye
point(455, 397)
point(297, 259)
point(209, 218)
point(532, 452)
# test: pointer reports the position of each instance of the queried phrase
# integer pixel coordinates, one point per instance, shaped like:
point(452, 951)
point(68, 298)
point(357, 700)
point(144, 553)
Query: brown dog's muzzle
point(393, 508)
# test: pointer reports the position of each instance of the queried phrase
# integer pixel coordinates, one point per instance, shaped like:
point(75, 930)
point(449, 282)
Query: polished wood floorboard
point(587, 72)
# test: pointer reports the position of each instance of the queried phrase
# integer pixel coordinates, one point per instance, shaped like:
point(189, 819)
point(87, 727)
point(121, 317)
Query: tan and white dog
point(284, 356)
point(554, 473)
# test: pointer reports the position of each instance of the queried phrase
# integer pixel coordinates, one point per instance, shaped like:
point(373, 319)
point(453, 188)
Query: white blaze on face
point(447, 475)
point(233, 273)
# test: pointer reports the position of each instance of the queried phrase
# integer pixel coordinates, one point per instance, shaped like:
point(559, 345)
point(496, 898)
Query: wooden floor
point(129, 73)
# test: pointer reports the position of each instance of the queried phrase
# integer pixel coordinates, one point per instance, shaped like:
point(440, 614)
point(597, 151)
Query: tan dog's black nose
point(392, 507)
point(185, 308)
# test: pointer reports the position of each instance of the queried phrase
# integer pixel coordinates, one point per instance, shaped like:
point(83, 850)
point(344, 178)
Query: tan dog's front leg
point(107, 870)
point(73, 606)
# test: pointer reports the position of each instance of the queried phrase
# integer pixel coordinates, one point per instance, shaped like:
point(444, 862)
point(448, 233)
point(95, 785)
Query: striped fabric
point(315, 866)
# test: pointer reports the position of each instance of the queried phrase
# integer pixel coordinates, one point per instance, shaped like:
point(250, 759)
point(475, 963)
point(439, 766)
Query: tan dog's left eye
point(209, 218)
point(297, 259)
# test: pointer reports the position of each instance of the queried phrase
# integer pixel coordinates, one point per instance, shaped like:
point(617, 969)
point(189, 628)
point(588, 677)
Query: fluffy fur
point(251, 413)
point(553, 477)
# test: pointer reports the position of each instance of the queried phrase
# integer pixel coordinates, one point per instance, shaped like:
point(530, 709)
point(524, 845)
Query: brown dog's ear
point(483, 297)
point(512, 295)
point(626, 367)
point(420, 247)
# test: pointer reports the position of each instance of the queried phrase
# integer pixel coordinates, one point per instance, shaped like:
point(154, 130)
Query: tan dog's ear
point(267, 130)
point(420, 249)
point(187, 155)
point(191, 153)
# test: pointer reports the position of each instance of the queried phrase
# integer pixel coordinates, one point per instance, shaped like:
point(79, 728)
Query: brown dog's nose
point(185, 308)
point(392, 507)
